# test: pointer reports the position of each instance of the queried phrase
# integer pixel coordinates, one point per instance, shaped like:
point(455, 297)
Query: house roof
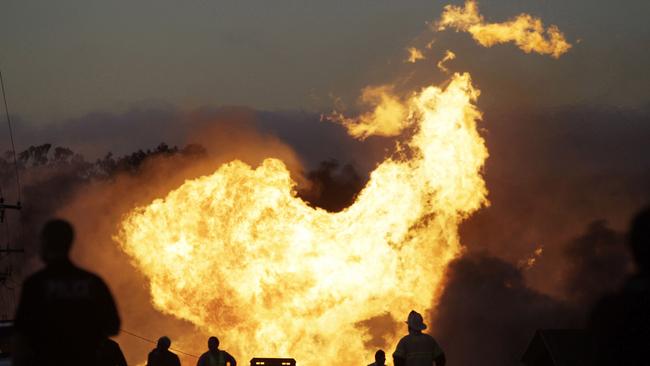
point(558, 347)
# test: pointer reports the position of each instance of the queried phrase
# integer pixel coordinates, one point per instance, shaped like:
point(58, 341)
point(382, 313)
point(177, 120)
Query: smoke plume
point(488, 308)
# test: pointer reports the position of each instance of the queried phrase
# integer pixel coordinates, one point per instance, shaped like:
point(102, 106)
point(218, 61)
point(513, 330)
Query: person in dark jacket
point(64, 312)
point(161, 355)
point(214, 356)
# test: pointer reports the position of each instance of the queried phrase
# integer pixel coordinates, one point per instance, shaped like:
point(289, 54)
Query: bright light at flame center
point(240, 256)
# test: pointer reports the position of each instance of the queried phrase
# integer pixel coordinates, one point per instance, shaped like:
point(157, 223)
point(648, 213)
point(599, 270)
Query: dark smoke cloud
point(597, 263)
point(566, 181)
point(487, 314)
point(332, 186)
point(95, 134)
point(379, 328)
point(551, 173)
point(145, 126)
point(489, 307)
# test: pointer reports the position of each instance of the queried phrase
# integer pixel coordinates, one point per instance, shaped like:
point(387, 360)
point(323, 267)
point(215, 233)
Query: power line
point(154, 342)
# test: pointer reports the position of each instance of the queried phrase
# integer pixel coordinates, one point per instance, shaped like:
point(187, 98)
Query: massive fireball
point(239, 255)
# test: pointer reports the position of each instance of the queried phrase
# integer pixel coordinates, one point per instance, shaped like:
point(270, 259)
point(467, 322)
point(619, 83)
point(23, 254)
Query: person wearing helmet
point(214, 356)
point(161, 355)
point(417, 348)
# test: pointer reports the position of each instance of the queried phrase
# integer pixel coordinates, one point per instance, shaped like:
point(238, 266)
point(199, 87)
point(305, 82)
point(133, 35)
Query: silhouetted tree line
point(333, 186)
point(47, 155)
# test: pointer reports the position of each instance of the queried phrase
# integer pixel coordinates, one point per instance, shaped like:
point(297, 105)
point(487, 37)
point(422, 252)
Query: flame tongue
point(239, 255)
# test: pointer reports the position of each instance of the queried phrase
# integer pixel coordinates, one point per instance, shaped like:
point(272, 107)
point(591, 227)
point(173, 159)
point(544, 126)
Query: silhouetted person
point(110, 354)
point(64, 312)
point(620, 323)
point(417, 348)
point(161, 356)
point(380, 359)
point(214, 356)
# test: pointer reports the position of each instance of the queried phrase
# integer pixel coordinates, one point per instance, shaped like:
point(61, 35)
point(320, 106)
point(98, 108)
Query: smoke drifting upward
point(487, 314)
point(526, 31)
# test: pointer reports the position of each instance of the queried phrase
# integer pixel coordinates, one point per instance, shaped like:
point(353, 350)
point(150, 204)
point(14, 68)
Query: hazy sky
point(62, 59)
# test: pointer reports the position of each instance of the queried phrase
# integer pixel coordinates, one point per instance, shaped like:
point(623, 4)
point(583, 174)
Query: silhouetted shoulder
point(419, 343)
point(176, 361)
point(67, 298)
point(110, 354)
point(159, 357)
point(68, 272)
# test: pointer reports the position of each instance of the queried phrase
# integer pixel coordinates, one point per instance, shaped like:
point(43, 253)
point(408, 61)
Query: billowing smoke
point(332, 186)
point(489, 307)
point(597, 261)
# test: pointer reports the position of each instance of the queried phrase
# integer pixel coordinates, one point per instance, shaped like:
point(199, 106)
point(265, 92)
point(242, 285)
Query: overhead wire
point(154, 342)
point(2, 196)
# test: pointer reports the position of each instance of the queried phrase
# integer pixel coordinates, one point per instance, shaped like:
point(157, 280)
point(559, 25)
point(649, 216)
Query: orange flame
point(389, 115)
point(526, 31)
point(239, 255)
point(448, 57)
point(414, 55)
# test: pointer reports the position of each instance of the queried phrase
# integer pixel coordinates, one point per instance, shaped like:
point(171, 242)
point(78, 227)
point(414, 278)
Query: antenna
point(4, 206)
point(6, 273)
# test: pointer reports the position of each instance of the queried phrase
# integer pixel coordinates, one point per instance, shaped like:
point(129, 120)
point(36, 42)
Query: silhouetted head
point(164, 343)
point(380, 357)
point(639, 239)
point(213, 343)
point(56, 240)
point(415, 322)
